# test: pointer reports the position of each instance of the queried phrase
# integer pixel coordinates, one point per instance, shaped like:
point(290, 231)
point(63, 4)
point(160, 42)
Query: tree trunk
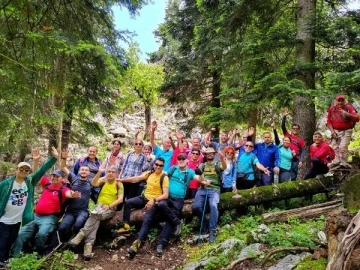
point(304, 108)
point(254, 196)
point(147, 121)
point(215, 102)
point(303, 213)
point(66, 125)
point(253, 118)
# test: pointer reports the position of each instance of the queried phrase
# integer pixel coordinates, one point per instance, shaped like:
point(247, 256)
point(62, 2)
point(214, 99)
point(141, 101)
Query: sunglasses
point(296, 128)
point(138, 143)
point(182, 159)
point(195, 153)
point(159, 165)
point(24, 169)
point(249, 145)
point(341, 100)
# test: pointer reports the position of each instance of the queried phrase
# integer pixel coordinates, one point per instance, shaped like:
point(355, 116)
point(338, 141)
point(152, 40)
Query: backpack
point(162, 177)
point(217, 170)
point(59, 192)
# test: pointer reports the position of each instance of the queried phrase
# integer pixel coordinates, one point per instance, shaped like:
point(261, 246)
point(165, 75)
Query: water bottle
point(276, 179)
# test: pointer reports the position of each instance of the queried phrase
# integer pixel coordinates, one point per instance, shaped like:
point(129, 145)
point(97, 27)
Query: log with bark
point(254, 196)
point(303, 213)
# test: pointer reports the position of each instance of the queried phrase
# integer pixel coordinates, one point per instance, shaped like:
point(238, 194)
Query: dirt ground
point(107, 259)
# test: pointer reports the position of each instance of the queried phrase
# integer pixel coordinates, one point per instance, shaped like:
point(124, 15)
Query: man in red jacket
point(341, 120)
point(320, 156)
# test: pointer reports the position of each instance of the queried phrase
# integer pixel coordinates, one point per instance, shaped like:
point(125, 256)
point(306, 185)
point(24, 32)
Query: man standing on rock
point(341, 120)
point(166, 152)
point(17, 201)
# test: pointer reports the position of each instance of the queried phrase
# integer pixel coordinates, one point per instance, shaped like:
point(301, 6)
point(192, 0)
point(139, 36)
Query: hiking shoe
point(159, 250)
point(88, 251)
point(212, 237)
point(77, 239)
point(133, 250)
point(177, 229)
point(124, 229)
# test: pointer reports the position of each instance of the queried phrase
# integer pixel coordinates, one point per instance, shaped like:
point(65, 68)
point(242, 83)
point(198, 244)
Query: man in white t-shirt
point(17, 201)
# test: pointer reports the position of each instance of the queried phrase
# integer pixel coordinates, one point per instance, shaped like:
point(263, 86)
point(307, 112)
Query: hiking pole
point(203, 215)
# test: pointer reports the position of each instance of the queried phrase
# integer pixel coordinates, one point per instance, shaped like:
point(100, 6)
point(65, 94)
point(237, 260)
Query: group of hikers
point(157, 179)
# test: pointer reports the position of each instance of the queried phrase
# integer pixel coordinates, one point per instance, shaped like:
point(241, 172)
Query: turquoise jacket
point(31, 182)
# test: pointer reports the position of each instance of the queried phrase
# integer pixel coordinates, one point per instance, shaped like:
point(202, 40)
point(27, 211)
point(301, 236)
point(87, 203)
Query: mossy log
point(254, 196)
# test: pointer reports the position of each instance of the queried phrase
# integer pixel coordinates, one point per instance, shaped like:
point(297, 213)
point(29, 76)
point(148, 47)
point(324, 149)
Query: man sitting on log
point(180, 177)
point(110, 196)
point(156, 190)
point(47, 213)
point(209, 190)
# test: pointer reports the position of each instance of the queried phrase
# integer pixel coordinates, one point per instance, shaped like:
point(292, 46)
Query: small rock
point(114, 258)
point(122, 257)
point(322, 237)
point(76, 256)
point(288, 262)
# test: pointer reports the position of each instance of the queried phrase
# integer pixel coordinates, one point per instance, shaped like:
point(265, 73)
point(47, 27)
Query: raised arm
point(95, 181)
point(222, 160)
point(46, 166)
point(283, 121)
point(36, 159)
point(152, 134)
point(276, 135)
point(133, 179)
point(72, 194)
point(180, 136)
point(64, 156)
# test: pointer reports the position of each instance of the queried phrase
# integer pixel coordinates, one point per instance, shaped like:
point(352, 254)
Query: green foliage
point(308, 263)
point(227, 217)
point(56, 261)
point(152, 235)
point(296, 233)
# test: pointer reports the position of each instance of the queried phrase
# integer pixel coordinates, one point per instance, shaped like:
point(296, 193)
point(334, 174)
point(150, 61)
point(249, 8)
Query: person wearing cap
point(320, 156)
point(110, 196)
point(179, 179)
point(76, 212)
point(17, 200)
point(209, 191)
point(48, 210)
point(341, 119)
point(166, 152)
point(156, 190)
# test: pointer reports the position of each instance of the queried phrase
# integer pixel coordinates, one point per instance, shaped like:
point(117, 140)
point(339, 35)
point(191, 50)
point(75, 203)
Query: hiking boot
point(212, 237)
point(177, 229)
point(134, 248)
point(88, 252)
point(76, 240)
point(119, 232)
point(159, 250)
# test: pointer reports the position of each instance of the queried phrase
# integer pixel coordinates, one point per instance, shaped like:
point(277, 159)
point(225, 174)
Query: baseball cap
point(340, 97)
point(318, 133)
point(21, 164)
point(181, 156)
point(58, 173)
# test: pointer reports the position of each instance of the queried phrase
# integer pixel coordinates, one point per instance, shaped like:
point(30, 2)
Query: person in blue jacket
point(268, 155)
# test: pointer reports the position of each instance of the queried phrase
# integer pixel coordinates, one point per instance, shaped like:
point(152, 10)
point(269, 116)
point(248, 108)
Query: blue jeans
point(171, 208)
point(8, 235)
point(45, 224)
point(294, 169)
point(76, 220)
point(213, 198)
point(136, 202)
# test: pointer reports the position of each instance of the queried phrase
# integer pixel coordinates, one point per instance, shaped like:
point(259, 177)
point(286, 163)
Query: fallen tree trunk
point(254, 196)
point(302, 213)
